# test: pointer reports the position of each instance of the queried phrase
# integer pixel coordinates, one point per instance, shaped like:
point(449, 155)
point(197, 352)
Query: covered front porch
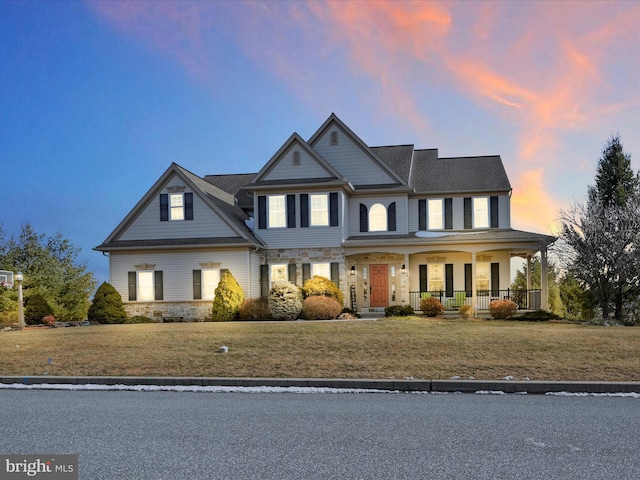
point(474, 270)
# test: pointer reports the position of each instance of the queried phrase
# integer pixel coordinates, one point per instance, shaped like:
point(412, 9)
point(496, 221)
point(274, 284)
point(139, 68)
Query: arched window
point(377, 218)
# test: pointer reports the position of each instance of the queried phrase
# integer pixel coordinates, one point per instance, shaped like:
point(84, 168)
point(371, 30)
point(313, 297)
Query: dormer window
point(334, 138)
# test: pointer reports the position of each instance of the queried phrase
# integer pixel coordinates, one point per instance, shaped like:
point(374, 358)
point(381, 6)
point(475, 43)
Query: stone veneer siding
point(195, 311)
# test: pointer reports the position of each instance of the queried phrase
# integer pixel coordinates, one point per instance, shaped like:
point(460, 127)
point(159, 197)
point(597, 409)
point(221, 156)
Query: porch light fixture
point(353, 270)
point(403, 270)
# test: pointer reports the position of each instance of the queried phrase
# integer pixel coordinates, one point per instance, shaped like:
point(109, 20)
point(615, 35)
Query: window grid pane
point(145, 286)
point(177, 206)
point(435, 214)
point(277, 212)
point(436, 277)
point(378, 218)
point(480, 212)
point(483, 278)
point(319, 209)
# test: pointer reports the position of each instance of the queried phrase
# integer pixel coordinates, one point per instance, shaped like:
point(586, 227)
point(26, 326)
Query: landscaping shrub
point(501, 309)
point(36, 308)
point(49, 320)
point(537, 316)
point(431, 307)
point(321, 286)
point(349, 313)
point(398, 311)
point(320, 308)
point(228, 298)
point(106, 306)
point(466, 311)
point(140, 319)
point(254, 309)
point(285, 301)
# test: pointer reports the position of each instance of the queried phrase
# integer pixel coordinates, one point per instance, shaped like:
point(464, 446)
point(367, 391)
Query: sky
point(98, 98)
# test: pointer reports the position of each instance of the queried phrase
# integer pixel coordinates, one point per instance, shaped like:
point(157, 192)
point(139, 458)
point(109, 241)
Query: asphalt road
point(192, 436)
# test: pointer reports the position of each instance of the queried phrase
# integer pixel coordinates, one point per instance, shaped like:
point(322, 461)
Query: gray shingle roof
point(463, 174)
point(397, 158)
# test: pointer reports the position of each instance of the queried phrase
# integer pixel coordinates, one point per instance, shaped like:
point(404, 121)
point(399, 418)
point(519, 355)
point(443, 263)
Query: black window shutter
point(391, 217)
point(164, 207)
point(335, 273)
point(159, 287)
point(132, 287)
point(494, 212)
point(495, 279)
point(422, 214)
point(306, 272)
point(448, 213)
point(292, 273)
point(467, 213)
point(264, 280)
point(468, 278)
point(188, 206)
point(364, 220)
point(333, 209)
point(304, 210)
point(423, 278)
point(291, 211)
point(448, 279)
point(197, 284)
point(262, 211)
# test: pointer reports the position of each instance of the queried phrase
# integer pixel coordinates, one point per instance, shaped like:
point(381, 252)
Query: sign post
point(19, 279)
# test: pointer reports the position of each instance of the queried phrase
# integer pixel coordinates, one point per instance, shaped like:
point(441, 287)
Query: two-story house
point(389, 225)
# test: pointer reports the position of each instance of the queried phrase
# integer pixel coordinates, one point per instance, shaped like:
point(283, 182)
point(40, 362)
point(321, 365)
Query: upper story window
point(176, 206)
point(378, 218)
point(436, 214)
point(319, 209)
point(277, 211)
point(480, 212)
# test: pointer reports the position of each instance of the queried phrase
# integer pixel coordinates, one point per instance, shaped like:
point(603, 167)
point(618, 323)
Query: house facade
point(389, 225)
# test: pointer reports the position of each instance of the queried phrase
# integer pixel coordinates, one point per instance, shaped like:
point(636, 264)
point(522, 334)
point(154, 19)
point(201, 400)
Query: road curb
point(405, 385)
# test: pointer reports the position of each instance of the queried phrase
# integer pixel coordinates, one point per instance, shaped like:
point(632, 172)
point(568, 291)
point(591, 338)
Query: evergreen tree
point(602, 238)
point(107, 306)
point(228, 298)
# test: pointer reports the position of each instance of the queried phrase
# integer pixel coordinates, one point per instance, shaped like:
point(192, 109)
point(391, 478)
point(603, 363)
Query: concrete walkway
point(406, 385)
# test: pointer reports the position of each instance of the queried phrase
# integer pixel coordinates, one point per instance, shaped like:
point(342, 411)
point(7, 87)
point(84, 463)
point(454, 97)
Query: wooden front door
point(379, 286)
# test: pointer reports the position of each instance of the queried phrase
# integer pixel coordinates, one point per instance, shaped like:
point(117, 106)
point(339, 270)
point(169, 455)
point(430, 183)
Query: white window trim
point(431, 225)
point(475, 216)
point(319, 217)
point(176, 211)
point(483, 266)
point(320, 269)
point(142, 288)
point(430, 271)
point(281, 221)
point(377, 221)
point(209, 285)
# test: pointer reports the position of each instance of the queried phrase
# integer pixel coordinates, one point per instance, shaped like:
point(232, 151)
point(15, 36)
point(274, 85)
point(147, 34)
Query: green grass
point(387, 348)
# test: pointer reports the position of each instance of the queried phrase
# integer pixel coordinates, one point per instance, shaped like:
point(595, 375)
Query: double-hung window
point(145, 285)
point(279, 273)
point(176, 206)
point(205, 282)
point(436, 214)
point(436, 277)
point(321, 270)
point(483, 278)
point(319, 209)
point(277, 211)
point(480, 212)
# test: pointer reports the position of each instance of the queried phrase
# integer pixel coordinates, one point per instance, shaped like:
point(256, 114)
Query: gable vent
point(296, 158)
point(334, 138)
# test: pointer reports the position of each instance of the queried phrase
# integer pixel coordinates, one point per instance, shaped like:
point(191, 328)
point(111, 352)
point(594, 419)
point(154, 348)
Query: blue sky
point(98, 98)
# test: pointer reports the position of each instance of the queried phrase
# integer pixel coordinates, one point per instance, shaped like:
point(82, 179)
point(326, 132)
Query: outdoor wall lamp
point(353, 270)
point(403, 270)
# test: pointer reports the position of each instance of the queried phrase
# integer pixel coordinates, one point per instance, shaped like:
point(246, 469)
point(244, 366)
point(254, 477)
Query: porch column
point(404, 282)
point(528, 273)
point(544, 279)
point(473, 283)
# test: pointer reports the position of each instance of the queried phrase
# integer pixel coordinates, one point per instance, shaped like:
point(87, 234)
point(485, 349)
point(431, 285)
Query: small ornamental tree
point(228, 298)
point(36, 308)
point(107, 306)
point(322, 287)
point(285, 301)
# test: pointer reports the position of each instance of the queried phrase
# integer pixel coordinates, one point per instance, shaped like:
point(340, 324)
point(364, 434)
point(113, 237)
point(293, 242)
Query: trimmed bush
point(538, 316)
point(228, 298)
point(36, 308)
point(285, 301)
point(254, 309)
point(106, 306)
point(398, 311)
point(321, 286)
point(431, 307)
point(49, 320)
point(466, 311)
point(349, 313)
point(501, 309)
point(320, 308)
point(140, 319)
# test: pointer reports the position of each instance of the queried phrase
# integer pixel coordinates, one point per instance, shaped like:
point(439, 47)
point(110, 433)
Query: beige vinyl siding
point(350, 160)
point(205, 222)
point(177, 268)
point(285, 169)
